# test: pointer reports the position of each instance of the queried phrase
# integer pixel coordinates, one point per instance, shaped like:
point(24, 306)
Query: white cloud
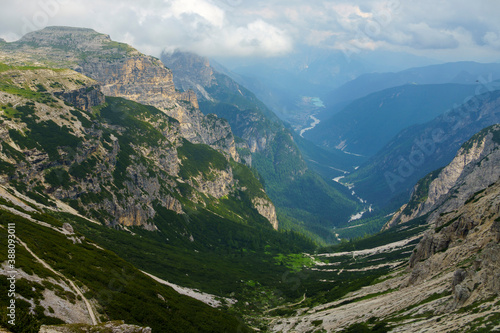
point(272, 27)
point(208, 11)
point(426, 37)
point(492, 39)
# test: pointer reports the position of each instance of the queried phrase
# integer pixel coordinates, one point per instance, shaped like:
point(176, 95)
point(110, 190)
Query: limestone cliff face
point(474, 168)
point(266, 208)
point(146, 80)
point(122, 71)
point(139, 78)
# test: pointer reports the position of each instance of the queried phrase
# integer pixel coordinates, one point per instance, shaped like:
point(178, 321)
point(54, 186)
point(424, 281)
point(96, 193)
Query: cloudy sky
point(447, 30)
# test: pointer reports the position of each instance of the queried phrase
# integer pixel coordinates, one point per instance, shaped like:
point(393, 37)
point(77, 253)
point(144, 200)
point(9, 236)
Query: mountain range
point(161, 195)
point(384, 114)
point(419, 149)
point(464, 72)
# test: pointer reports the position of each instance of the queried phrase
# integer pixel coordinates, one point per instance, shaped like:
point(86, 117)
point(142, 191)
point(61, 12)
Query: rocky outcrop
point(266, 208)
point(216, 183)
point(474, 168)
point(467, 240)
point(83, 98)
point(462, 206)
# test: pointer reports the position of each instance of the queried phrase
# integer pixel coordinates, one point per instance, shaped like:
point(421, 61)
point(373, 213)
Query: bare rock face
point(474, 168)
point(467, 239)
point(83, 98)
point(68, 228)
point(122, 71)
point(197, 72)
point(266, 208)
point(139, 78)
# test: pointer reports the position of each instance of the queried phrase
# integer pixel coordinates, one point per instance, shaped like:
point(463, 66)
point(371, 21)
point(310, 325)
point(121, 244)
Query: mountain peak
point(196, 69)
point(72, 39)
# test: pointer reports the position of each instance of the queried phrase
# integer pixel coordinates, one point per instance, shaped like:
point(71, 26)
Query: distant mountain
point(420, 149)
point(456, 72)
point(282, 82)
point(367, 124)
point(268, 146)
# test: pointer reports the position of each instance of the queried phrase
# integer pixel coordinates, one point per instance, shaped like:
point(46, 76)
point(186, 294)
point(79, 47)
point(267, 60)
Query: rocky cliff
point(474, 168)
point(248, 117)
point(117, 162)
point(462, 206)
point(122, 71)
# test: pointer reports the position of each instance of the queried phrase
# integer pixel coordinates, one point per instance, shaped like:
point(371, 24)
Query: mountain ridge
point(389, 175)
point(123, 72)
point(383, 114)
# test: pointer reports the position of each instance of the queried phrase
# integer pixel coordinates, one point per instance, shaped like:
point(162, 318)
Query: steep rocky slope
point(451, 281)
point(118, 162)
point(123, 72)
point(474, 168)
